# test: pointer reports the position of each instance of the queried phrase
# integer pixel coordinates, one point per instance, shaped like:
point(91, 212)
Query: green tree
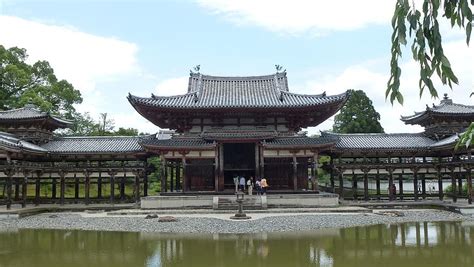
point(22, 83)
point(358, 115)
point(126, 131)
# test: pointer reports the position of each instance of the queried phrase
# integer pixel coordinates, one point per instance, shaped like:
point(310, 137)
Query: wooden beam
point(99, 185)
point(76, 188)
point(453, 185)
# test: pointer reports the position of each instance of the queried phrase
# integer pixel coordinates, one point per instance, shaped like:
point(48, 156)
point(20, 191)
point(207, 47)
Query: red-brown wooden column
point(62, 186)
point(24, 188)
point(38, 187)
point(453, 184)
point(415, 181)
point(87, 186)
point(257, 161)
point(9, 172)
point(221, 166)
point(112, 174)
point(216, 168)
point(163, 173)
point(185, 176)
point(295, 173)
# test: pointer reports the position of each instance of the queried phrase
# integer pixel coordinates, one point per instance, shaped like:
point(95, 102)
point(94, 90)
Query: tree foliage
point(358, 115)
point(424, 30)
point(22, 83)
point(85, 125)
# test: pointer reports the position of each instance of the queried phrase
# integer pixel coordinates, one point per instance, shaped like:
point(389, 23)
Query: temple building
point(227, 126)
point(245, 126)
point(65, 169)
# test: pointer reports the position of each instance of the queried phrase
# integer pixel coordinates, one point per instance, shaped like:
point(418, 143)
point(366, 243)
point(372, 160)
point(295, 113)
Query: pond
point(411, 244)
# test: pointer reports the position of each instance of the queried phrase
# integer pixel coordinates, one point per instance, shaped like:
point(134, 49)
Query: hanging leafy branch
point(422, 27)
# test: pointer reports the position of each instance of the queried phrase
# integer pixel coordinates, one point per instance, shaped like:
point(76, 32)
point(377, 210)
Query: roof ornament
point(279, 68)
point(199, 86)
point(324, 94)
point(427, 107)
point(195, 70)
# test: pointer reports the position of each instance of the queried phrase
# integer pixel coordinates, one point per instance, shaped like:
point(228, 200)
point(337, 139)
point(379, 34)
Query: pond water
point(412, 244)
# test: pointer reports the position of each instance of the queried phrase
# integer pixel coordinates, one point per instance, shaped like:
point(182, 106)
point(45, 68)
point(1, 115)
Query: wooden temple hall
point(227, 126)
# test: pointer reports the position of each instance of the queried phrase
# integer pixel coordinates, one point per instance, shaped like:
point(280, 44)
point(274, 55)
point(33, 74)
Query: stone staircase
point(230, 203)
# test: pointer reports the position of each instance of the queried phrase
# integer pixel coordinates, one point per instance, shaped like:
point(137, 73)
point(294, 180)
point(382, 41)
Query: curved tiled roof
point(446, 107)
point(238, 133)
point(31, 112)
point(177, 143)
point(208, 92)
point(95, 144)
point(10, 142)
point(383, 141)
point(300, 141)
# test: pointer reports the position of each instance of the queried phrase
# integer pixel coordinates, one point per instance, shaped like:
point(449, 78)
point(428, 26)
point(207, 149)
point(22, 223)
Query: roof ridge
point(96, 137)
point(372, 134)
point(242, 78)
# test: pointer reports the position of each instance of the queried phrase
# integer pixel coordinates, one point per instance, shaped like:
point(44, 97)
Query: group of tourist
point(242, 184)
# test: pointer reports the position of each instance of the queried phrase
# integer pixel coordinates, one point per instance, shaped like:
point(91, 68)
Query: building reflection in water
point(412, 244)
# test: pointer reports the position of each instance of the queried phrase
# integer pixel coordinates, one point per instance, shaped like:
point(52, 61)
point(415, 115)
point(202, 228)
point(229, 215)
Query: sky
point(108, 49)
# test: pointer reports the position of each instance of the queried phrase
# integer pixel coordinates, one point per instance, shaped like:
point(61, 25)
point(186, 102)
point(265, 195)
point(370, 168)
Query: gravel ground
point(274, 223)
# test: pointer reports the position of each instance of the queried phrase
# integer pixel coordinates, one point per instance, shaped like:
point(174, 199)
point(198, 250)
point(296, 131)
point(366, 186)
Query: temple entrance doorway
point(239, 159)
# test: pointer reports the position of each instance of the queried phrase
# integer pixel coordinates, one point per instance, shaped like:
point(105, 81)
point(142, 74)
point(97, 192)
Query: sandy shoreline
point(220, 223)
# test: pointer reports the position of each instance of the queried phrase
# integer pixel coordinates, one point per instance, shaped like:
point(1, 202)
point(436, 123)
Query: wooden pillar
point(262, 162)
point(453, 184)
point(469, 185)
point(390, 184)
point(122, 185)
point(145, 182)
point(178, 177)
point(460, 183)
point(221, 166)
point(314, 171)
point(37, 187)
point(99, 185)
point(62, 186)
point(76, 188)
point(138, 174)
point(295, 173)
point(341, 183)
point(17, 188)
point(53, 187)
point(257, 161)
point(331, 179)
point(216, 168)
point(112, 174)
point(423, 186)
point(400, 185)
point(24, 188)
point(366, 183)
point(9, 172)
point(163, 174)
point(185, 178)
point(440, 183)
point(354, 185)
point(377, 183)
point(172, 175)
point(87, 186)
point(415, 181)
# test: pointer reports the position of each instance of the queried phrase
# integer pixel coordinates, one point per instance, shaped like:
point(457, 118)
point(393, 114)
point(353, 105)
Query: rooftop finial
point(279, 68)
point(446, 99)
point(195, 69)
point(445, 96)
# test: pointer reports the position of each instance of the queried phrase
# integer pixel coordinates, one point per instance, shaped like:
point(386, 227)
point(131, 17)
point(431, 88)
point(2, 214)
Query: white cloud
point(79, 57)
point(372, 78)
point(299, 16)
point(172, 86)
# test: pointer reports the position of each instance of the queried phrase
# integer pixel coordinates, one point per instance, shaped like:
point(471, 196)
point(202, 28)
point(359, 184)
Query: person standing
point(264, 185)
point(258, 187)
point(242, 183)
point(236, 182)
point(250, 185)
